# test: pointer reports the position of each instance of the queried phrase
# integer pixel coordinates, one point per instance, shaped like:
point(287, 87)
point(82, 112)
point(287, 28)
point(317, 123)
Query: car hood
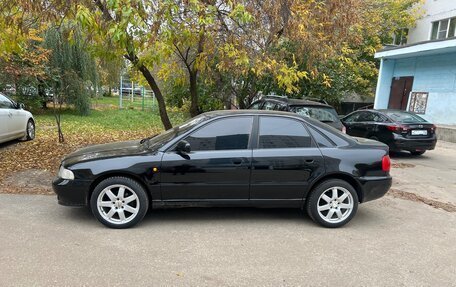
point(101, 151)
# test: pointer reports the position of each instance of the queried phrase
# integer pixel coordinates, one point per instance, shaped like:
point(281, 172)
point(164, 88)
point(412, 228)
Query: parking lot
point(405, 238)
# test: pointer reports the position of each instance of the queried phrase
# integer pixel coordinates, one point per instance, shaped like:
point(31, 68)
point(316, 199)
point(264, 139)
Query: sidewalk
point(446, 133)
point(432, 175)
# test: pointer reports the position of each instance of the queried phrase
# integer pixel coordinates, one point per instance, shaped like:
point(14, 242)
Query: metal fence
point(133, 96)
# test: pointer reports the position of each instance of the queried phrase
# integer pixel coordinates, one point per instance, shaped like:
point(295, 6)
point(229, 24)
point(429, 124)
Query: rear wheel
point(332, 203)
point(418, 152)
point(119, 202)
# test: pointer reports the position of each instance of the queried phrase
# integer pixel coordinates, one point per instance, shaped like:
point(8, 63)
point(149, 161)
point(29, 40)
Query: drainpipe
point(379, 81)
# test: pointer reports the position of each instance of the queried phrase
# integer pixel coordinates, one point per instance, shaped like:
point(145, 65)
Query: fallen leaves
point(45, 153)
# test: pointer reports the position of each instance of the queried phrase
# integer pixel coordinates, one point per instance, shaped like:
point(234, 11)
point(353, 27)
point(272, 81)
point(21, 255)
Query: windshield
point(323, 114)
point(404, 117)
point(159, 140)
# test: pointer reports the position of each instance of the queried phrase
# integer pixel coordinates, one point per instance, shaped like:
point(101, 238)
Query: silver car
point(15, 122)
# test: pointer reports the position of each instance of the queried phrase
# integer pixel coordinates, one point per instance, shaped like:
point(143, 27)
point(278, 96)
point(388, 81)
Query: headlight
point(65, 173)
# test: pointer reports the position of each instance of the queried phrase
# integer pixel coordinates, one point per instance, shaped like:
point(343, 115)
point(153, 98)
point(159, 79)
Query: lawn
point(104, 120)
point(106, 123)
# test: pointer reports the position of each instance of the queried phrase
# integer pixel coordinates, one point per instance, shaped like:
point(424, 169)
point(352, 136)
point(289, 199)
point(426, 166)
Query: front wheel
point(119, 202)
point(332, 203)
point(30, 130)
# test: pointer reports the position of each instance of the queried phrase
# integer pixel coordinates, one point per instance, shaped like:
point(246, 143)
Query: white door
point(6, 119)
point(18, 121)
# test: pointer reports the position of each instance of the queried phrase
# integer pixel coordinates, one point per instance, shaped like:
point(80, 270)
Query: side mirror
point(20, 106)
point(183, 147)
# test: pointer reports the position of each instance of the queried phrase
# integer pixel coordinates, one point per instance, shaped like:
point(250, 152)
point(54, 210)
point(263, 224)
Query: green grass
point(107, 120)
point(105, 101)
point(136, 102)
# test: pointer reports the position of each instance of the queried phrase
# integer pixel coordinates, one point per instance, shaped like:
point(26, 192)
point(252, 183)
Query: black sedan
point(400, 130)
point(229, 158)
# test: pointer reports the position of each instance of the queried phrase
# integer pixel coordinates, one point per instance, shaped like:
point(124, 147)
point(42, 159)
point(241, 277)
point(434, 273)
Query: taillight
point(344, 129)
point(397, 129)
point(386, 163)
point(433, 128)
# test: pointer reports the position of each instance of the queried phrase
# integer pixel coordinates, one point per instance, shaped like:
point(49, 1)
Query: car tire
point(417, 153)
point(331, 208)
point(30, 131)
point(119, 202)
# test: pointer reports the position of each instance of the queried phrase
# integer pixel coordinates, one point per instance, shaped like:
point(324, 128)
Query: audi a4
point(242, 158)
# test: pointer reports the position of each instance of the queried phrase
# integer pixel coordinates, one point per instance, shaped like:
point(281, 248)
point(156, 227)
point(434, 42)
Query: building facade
point(420, 76)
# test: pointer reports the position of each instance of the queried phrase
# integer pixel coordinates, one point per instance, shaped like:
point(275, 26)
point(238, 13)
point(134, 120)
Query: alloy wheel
point(335, 204)
point(30, 130)
point(118, 204)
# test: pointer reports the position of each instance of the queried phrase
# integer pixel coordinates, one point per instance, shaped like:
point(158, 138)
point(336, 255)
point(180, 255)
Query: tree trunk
point(42, 94)
point(194, 111)
point(161, 101)
point(57, 115)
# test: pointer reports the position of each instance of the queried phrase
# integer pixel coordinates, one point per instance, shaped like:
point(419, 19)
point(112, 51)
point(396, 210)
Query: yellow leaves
point(233, 57)
point(326, 80)
point(83, 15)
point(33, 35)
point(240, 13)
point(287, 77)
point(170, 69)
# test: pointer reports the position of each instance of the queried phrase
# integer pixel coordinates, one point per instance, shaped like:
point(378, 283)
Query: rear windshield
point(322, 114)
point(404, 117)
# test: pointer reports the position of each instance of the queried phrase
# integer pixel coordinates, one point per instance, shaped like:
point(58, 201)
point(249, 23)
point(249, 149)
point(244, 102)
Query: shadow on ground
point(197, 214)
point(9, 144)
point(407, 155)
point(225, 214)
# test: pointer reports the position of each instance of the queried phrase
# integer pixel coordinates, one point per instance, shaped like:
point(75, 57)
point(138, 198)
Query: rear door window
point(353, 118)
point(372, 117)
point(364, 117)
point(276, 132)
point(321, 140)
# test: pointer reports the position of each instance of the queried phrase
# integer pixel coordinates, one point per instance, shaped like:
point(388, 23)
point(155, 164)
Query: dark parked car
point(317, 110)
point(229, 158)
point(400, 130)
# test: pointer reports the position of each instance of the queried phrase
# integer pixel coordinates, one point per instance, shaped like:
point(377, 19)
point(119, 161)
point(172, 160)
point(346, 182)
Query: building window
point(443, 29)
point(400, 37)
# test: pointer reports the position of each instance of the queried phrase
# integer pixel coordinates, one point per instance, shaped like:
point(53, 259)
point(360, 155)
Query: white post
point(120, 91)
point(132, 89)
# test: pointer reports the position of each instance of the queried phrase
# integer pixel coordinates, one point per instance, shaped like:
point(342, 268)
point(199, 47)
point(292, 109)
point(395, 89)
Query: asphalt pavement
point(390, 242)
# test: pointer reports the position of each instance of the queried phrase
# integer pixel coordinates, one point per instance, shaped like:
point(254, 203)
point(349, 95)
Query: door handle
point(309, 160)
point(236, 161)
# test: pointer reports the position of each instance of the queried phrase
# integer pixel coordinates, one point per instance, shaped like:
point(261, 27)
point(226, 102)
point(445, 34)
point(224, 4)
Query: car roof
point(382, 110)
point(217, 113)
point(296, 102)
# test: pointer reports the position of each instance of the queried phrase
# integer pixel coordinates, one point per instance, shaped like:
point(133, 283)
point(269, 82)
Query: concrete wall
point(434, 10)
point(433, 74)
